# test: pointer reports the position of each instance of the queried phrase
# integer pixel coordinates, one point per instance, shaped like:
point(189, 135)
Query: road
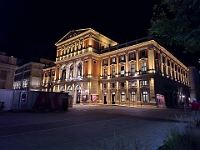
point(88, 127)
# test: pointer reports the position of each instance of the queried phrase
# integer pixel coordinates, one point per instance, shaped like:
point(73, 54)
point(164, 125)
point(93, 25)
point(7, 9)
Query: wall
point(28, 100)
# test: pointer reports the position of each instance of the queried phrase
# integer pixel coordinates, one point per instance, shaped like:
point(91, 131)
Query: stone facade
point(7, 70)
point(28, 76)
point(96, 69)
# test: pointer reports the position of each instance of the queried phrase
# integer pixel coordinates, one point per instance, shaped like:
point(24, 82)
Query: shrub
point(182, 139)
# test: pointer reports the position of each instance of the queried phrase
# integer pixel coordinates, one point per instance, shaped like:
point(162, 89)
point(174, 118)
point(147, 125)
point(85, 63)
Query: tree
point(177, 22)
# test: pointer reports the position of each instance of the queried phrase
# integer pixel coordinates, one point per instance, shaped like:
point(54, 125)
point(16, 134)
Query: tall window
point(122, 58)
point(113, 60)
point(105, 62)
point(105, 72)
point(113, 71)
point(122, 84)
point(123, 96)
point(113, 85)
point(71, 71)
point(132, 56)
point(145, 96)
point(122, 70)
point(79, 69)
point(132, 68)
point(144, 82)
point(156, 66)
point(143, 53)
point(63, 73)
point(133, 83)
point(133, 96)
point(144, 66)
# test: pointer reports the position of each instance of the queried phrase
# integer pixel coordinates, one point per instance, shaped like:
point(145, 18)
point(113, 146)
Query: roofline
point(87, 31)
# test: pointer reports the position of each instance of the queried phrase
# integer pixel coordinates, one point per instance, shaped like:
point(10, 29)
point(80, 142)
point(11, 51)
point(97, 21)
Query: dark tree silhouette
point(177, 22)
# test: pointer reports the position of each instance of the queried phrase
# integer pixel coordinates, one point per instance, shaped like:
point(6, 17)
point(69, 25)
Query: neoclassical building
point(29, 74)
point(95, 69)
point(8, 64)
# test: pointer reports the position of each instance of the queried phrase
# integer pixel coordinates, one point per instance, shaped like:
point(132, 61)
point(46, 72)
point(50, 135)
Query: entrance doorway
point(77, 95)
point(104, 99)
point(113, 98)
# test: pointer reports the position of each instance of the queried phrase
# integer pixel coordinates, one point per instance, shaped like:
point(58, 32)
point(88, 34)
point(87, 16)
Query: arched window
point(63, 73)
point(79, 69)
point(71, 71)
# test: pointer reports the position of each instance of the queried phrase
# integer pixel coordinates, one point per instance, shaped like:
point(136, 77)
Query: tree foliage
point(177, 22)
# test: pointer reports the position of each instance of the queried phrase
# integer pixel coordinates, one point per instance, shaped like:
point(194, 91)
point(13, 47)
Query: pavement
point(90, 128)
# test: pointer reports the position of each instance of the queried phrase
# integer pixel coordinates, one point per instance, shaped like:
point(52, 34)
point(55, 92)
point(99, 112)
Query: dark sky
point(30, 28)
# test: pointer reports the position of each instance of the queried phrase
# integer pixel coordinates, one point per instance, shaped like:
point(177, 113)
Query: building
point(7, 70)
point(28, 76)
point(194, 82)
point(95, 69)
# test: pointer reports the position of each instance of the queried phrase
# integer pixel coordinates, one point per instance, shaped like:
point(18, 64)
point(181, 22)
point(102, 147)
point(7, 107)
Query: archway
point(77, 94)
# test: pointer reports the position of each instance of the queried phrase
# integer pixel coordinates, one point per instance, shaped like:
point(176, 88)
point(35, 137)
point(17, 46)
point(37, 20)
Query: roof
point(71, 34)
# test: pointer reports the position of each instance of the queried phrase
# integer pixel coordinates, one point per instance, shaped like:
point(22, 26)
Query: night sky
point(30, 28)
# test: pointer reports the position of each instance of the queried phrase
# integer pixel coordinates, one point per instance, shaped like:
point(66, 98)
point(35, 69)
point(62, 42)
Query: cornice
point(87, 34)
point(169, 54)
point(80, 56)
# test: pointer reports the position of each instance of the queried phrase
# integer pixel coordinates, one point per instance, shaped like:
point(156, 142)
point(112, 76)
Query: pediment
point(71, 34)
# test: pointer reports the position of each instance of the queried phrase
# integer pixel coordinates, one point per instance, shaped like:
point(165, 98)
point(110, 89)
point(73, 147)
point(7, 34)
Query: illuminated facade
point(96, 69)
point(7, 70)
point(28, 76)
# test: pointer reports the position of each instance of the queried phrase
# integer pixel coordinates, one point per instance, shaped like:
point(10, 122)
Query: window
point(133, 83)
point(132, 56)
point(122, 70)
point(168, 62)
point(122, 84)
point(145, 96)
point(172, 65)
point(163, 59)
point(156, 66)
point(156, 55)
point(132, 68)
point(104, 86)
point(113, 60)
point(133, 96)
point(164, 70)
point(71, 72)
point(113, 85)
point(143, 53)
point(123, 96)
point(144, 82)
point(105, 72)
point(144, 66)
point(79, 70)
point(105, 62)
point(113, 71)
point(122, 58)
point(64, 73)
point(53, 73)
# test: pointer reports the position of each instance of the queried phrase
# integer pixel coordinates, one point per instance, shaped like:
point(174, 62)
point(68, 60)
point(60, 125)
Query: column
point(101, 67)
point(152, 91)
point(138, 91)
point(117, 65)
point(137, 61)
point(126, 57)
point(127, 93)
point(108, 71)
point(90, 66)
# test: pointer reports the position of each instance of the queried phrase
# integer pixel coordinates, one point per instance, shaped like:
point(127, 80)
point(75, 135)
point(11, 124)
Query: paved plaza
point(88, 128)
